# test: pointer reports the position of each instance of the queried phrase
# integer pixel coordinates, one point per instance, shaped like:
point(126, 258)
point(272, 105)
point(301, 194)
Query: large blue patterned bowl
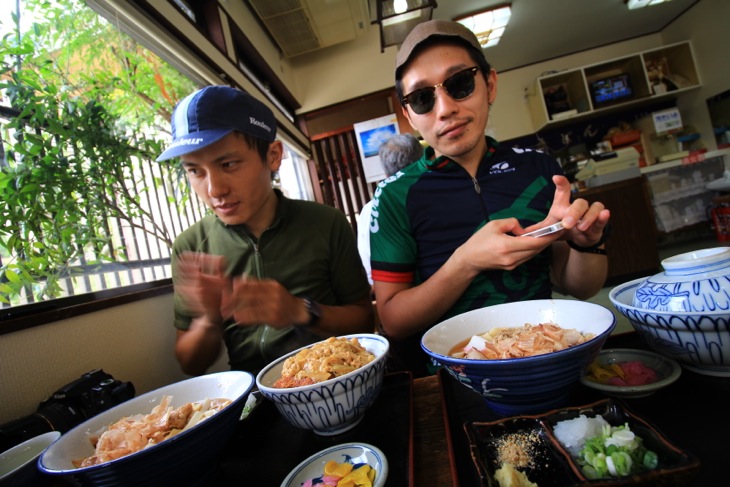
point(188, 458)
point(335, 405)
point(693, 282)
point(698, 340)
point(528, 385)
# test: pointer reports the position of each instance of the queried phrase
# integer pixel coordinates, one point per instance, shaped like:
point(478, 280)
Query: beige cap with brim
point(425, 30)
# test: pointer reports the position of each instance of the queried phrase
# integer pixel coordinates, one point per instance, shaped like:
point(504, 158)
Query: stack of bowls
point(684, 312)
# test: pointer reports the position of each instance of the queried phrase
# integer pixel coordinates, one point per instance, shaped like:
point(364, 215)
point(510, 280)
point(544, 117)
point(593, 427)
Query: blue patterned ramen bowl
point(333, 406)
point(525, 385)
point(693, 282)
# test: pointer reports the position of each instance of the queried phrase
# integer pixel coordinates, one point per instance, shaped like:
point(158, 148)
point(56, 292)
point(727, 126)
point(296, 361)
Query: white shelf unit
point(673, 63)
point(679, 193)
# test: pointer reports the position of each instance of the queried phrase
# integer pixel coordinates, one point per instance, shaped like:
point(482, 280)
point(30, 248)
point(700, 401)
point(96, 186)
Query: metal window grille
point(341, 175)
point(136, 251)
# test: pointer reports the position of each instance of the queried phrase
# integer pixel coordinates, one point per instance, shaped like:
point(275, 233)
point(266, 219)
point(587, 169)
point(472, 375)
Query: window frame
point(149, 26)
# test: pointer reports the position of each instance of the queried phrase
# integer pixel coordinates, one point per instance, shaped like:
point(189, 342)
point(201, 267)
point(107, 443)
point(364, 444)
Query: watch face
point(315, 312)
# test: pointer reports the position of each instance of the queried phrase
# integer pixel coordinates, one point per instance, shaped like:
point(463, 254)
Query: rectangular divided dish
point(553, 465)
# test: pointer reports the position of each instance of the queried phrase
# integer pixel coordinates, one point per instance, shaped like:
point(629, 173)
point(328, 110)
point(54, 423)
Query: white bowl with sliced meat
point(181, 429)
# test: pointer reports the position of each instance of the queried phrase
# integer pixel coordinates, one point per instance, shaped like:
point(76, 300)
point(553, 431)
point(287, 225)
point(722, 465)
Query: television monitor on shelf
point(611, 89)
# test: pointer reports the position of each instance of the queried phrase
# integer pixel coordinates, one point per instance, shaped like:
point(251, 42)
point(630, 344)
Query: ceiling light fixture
point(398, 17)
point(633, 4)
point(488, 25)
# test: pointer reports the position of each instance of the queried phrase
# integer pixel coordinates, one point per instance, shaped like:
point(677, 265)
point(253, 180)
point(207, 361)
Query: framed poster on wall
point(370, 135)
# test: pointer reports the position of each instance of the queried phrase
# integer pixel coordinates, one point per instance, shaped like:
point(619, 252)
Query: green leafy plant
point(86, 107)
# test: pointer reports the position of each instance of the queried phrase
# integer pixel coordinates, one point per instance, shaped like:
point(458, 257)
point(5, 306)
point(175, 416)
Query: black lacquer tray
point(265, 448)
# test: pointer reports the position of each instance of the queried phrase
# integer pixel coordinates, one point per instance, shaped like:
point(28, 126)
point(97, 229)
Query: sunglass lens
point(460, 85)
point(422, 101)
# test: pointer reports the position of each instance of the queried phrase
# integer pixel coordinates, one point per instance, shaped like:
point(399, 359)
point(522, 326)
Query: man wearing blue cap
point(263, 274)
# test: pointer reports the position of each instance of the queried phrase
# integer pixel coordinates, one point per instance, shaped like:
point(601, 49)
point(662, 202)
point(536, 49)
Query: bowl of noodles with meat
point(523, 357)
point(170, 436)
point(328, 386)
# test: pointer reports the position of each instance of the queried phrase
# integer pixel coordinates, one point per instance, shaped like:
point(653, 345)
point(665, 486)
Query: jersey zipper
point(258, 273)
point(478, 191)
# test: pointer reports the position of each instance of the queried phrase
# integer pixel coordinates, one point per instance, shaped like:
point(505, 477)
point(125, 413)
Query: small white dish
point(667, 370)
point(354, 453)
point(18, 464)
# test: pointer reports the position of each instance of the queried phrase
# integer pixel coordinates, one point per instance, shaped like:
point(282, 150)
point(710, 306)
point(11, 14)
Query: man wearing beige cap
point(447, 234)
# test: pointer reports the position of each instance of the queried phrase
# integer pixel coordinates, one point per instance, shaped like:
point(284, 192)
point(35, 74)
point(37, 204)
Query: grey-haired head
point(399, 151)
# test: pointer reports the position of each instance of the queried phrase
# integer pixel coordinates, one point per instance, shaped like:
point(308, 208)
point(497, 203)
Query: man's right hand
point(494, 246)
point(203, 285)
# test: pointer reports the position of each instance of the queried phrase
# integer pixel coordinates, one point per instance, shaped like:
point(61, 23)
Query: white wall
point(511, 113)
point(707, 26)
point(343, 72)
point(133, 342)
point(358, 68)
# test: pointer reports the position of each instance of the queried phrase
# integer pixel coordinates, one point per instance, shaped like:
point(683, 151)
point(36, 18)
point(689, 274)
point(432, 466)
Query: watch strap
point(314, 310)
point(593, 249)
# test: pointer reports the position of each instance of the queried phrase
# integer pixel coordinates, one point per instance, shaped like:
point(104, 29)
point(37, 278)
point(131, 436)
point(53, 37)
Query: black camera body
point(69, 406)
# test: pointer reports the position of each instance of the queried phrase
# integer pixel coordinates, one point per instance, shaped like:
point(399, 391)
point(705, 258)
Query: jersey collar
point(441, 162)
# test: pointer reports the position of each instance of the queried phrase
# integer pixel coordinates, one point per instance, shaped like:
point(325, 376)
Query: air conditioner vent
point(300, 26)
point(288, 23)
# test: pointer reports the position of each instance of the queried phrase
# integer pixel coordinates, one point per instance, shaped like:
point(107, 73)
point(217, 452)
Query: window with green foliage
point(84, 112)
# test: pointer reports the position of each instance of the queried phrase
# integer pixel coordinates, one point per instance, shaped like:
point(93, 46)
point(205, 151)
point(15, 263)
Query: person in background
point(447, 235)
point(261, 273)
point(395, 154)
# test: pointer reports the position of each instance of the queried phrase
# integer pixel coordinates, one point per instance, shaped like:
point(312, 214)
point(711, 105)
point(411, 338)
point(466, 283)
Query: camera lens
point(61, 416)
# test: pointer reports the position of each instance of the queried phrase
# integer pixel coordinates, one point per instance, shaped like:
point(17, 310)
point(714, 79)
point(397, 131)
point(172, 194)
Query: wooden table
point(430, 448)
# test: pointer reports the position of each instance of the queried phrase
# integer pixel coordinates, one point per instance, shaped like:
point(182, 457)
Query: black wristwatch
point(314, 310)
point(593, 249)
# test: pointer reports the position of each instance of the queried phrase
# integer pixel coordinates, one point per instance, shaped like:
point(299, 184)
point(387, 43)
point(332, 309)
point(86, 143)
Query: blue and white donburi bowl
point(693, 282)
point(336, 405)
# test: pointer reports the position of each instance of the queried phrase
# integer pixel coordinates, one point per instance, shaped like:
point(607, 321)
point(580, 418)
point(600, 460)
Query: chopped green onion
point(618, 452)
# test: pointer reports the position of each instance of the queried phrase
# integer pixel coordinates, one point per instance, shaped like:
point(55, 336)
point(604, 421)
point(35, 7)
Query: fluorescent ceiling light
point(398, 17)
point(633, 4)
point(401, 18)
point(488, 25)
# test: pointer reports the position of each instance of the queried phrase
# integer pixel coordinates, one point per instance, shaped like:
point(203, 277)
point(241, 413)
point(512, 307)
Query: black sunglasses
point(458, 86)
